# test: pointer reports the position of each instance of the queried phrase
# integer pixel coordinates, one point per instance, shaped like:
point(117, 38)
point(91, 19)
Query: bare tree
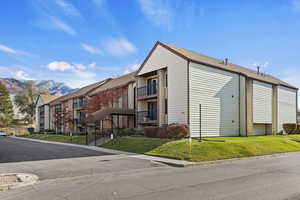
point(26, 99)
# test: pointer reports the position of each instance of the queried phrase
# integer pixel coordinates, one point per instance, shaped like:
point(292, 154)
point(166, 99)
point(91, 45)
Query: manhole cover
point(16, 180)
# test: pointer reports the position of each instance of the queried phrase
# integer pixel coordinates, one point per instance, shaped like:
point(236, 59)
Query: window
point(152, 86)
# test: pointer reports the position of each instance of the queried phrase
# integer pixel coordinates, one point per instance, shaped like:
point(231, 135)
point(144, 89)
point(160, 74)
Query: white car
point(2, 133)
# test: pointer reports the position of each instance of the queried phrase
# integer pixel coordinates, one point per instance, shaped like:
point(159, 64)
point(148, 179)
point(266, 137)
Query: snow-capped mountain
point(55, 88)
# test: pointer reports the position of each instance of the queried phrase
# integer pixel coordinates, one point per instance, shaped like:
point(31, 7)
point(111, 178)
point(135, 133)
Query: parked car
point(2, 133)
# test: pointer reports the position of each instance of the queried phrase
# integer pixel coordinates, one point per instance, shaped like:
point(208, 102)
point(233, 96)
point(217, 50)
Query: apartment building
point(76, 111)
point(112, 106)
point(42, 112)
point(214, 97)
point(174, 85)
point(67, 112)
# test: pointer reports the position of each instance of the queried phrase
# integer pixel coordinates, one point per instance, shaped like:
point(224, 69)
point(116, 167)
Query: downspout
point(246, 104)
point(239, 105)
point(297, 106)
point(188, 95)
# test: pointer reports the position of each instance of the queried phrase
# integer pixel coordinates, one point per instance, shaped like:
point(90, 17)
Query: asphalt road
point(267, 179)
point(16, 150)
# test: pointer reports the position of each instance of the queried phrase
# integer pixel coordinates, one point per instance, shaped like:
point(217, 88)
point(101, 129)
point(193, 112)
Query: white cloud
point(127, 71)
point(92, 65)
point(132, 67)
point(21, 75)
point(75, 74)
point(99, 2)
point(296, 5)
point(10, 50)
point(68, 8)
point(85, 74)
point(261, 64)
point(158, 12)
point(58, 24)
point(3, 68)
point(90, 49)
point(60, 66)
point(135, 66)
point(80, 66)
point(120, 47)
point(7, 49)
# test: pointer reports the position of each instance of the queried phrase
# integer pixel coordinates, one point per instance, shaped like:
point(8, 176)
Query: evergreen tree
point(6, 107)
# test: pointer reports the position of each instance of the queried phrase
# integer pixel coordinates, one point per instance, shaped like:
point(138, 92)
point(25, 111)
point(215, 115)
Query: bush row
point(172, 131)
point(291, 128)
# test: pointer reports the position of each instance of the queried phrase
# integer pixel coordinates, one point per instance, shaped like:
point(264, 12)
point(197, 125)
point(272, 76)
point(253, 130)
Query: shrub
point(178, 131)
point(297, 129)
point(150, 131)
point(30, 130)
point(290, 128)
point(162, 132)
point(126, 132)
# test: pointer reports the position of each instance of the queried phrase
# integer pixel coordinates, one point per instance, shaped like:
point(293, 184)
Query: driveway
point(17, 150)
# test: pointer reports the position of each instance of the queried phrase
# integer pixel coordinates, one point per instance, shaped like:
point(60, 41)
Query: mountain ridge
point(55, 88)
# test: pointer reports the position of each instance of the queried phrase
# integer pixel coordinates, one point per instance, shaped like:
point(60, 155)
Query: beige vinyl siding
point(131, 95)
point(262, 102)
point(47, 116)
point(37, 115)
point(218, 93)
point(262, 129)
point(286, 106)
point(177, 82)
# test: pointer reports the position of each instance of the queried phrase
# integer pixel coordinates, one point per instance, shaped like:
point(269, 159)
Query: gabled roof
point(47, 98)
point(81, 92)
point(213, 62)
point(116, 83)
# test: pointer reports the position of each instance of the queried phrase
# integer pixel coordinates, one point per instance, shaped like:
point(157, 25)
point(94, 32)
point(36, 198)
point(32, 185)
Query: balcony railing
point(144, 117)
point(147, 91)
point(78, 105)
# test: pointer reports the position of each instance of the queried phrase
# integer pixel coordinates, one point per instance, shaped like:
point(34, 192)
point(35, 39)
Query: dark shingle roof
point(115, 83)
point(81, 92)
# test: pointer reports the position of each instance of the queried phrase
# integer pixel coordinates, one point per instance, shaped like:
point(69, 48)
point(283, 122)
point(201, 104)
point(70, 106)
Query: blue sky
point(79, 42)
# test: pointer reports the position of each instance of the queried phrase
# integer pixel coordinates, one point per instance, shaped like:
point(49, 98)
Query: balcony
point(147, 92)
point(79, 122)
point(144, 118)
point(79, 105)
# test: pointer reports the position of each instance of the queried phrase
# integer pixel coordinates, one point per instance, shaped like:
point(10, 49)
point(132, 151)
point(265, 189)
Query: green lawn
point(139, 145)
point(210, 149)
point(57, 138)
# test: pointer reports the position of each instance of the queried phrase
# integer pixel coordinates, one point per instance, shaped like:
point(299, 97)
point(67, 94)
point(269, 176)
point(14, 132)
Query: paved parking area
point(52, 161)
point(17, 150)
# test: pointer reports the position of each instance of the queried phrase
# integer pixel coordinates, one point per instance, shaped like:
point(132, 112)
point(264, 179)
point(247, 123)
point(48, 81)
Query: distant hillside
point(55, 88)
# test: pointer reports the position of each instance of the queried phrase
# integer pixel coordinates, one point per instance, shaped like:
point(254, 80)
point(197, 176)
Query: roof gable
point(160, 57)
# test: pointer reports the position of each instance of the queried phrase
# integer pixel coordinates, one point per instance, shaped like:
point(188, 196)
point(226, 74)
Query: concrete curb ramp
point(17, 180)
